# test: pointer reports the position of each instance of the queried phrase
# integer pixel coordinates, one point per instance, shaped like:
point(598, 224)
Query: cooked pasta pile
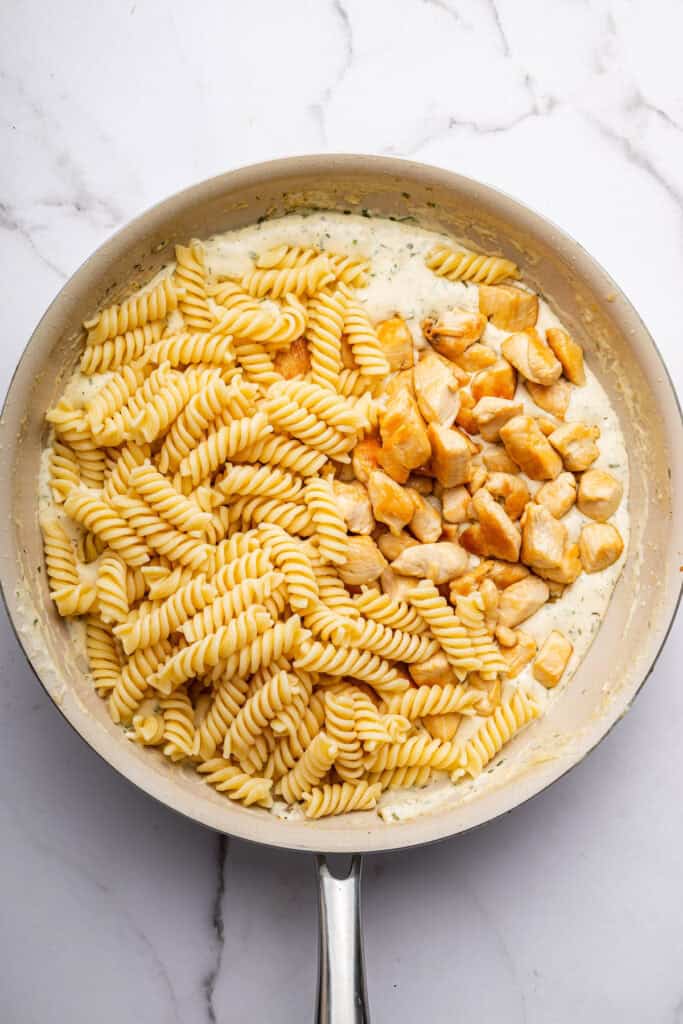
point(302, 552)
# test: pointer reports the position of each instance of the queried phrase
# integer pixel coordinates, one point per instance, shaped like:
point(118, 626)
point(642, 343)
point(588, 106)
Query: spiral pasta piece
point(340, 725)
point(369, 668)
point(101, 519)
point(372, 727)
point(119, 426)
point(354, 384)
point(179, 729)
point(227, 606)
point(124, 462)
point(328, 523)
point(401, 778)
point(114, 395)
point(446, 628)
point(257, 364)
point(290, 748)
point(256, 714)
point(464, 265)
point(64, 470)
point(230, 569)
point(389, 611)
point(295, 519)
point(167, 618)
point(145, 306)
point(190, 276)
point(226, 778)
point(315, 763)
point(72, 428)
point(332, 591)
point(329, 407)
point(228, 699)
point(287, 554)
point(60, 557)
point(271, 645)
point(221, 445)
point(186, 349)
point(289, 417)
point(470, 610)
point(325, 324)
point(392, 643)
point(148, 724)
point(201, 413)
point(436, 700)
point(512, 715)
point(124, 348)
point(276, 450)
point(132, 685)
point(163, 409)
point(324, 801)
point(160, 535)
point(362, 337)
point(327, 624)
point(258, 481)
point(112, 588)
point(104, 663)
point(305, 280)
point(162, 586)
point(244, 317)
point(177, 510)
point(348, 269)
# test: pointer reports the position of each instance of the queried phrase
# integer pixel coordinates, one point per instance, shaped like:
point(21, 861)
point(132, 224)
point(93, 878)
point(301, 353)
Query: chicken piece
point(576, 444)
point(454, 331)
point(530, 449)
point(531, 357)
point(396, 586)
point(543, 538)
point(391, 503)
point(476, 357)
point(365, 458)
point(491, 597)
point(293, 361)
point(426, 521)
point(364, 561)
point(600, 545)
point(465, 419)
point(478, 476)
point(599, 494)
point(552, 659)
point(497, 536)
point(492, 694)
point(521, 600)
point(519, 656)
point(471, 580)
point(347, 356)
point(505, 636)
point(499, 381)
point(504, 574)
point(405, 444)
point(557, 495)
point(497, 460)
point(509, 308)
point(472, 539)
point(451, 532)
point(491, 413)
point(393, 385)
point(546, 425)
point(567, 571)
point(569, 354)
point(353, 502)
point(435, 671)
point(442, 727)
point(436, 389)
point(451, 460)
point(553, 399)
point(455, 502)
point(422, 484)
point(396, 341)
point(438, 562)
point(391, 545)
point(509, 489)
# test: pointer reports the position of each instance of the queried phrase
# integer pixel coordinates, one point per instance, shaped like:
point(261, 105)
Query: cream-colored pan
point(618, 348)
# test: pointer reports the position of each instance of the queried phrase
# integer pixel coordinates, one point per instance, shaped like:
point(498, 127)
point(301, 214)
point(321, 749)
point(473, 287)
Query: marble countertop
point(114, 909)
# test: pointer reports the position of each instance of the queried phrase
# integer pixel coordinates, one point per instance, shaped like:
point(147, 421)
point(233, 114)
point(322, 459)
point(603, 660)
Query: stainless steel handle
point(342, 996)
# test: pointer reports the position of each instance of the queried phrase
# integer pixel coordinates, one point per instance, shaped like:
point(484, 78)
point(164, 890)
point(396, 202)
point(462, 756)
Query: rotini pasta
point(167, 618)
point(325, 324)
point(365, 345)
point(329, 527)
point(313, 766)
point(464, 265)
point(228, 779)
point(446, 628)
point(190, 276)
point(124, 348)
point(145, 306)
point(103, 657)
point(324, 801)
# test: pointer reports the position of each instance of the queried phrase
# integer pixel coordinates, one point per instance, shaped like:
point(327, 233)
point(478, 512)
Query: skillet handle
point(342, 995)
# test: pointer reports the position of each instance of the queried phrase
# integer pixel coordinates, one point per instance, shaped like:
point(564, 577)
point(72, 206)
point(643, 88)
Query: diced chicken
point(509, 308)
point(353, 502)
point(438, 562)
point(442, 727)
point(470, 581)
point(569, 353)
point(491, 598)
point(557, 495)
point(552, 659)
point(436, 389)
point(478, 476)
point(293, 361)
point(499, 381)
point(451, 532)
point(364, 561)
point(543, 538)
point(530, 449)
point(521, 600)
point(576, 444)
point(553, 399)
point(465, 419)
point(491, 694)
point(391, 503)
point(500, 535)
point(396, 341)
point(546, 425)
point(454, 331)
point(497, 460)
point(567, 571)
point(599, 494)
point(600, 545)
point(476, 357)
point(450, 455)
point(491, 413)
point(365, 458)
point(435, 671)
point(556, 590)
point(392, 386)
point(391, 545)
point(509, 489)
point(455, 502)
point(505, 636)
point(519, 656)
point(405, 444)
point(396, 586)
point(531, 357)
point(504, 574)
point(426, 521)
point(422, 484)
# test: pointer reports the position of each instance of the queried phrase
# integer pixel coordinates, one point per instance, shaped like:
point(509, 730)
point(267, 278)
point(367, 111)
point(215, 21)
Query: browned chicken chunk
point(500, 535)
point(543, 538)
point(476, 357)
point(391, 503)
point(504, 574)
point(530, 449)
point(454, 331)
point(569, 353)
point(450, 455)
point(497, 460)
point(552, 659)
point(491, 413)
point(436, 389)
point(465, 419)
point(553, 399)
point(557, 495)
point(521, 600)
point(567, 571)
point(365, 458)
point(426, 520)
point(293, 361)
point(531, 357)
point(435, 671)
point(405, 444)
point(442, 727)
point(438, 562)
point(396, 586)
point(396, 341)
point(576, 444)
point(510, 490)
point(499, 381)
point(519, 656)
point(353, 502)
point(599, 494)
point(455, 502)
point(364, 562)
point(600, 545)
point(509, 308)
point(391, 545)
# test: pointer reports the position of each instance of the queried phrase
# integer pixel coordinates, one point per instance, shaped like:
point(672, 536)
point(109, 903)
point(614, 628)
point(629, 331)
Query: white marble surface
point(112, 908)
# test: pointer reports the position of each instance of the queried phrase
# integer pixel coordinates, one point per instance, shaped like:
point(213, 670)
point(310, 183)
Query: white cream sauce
point(401, 283)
